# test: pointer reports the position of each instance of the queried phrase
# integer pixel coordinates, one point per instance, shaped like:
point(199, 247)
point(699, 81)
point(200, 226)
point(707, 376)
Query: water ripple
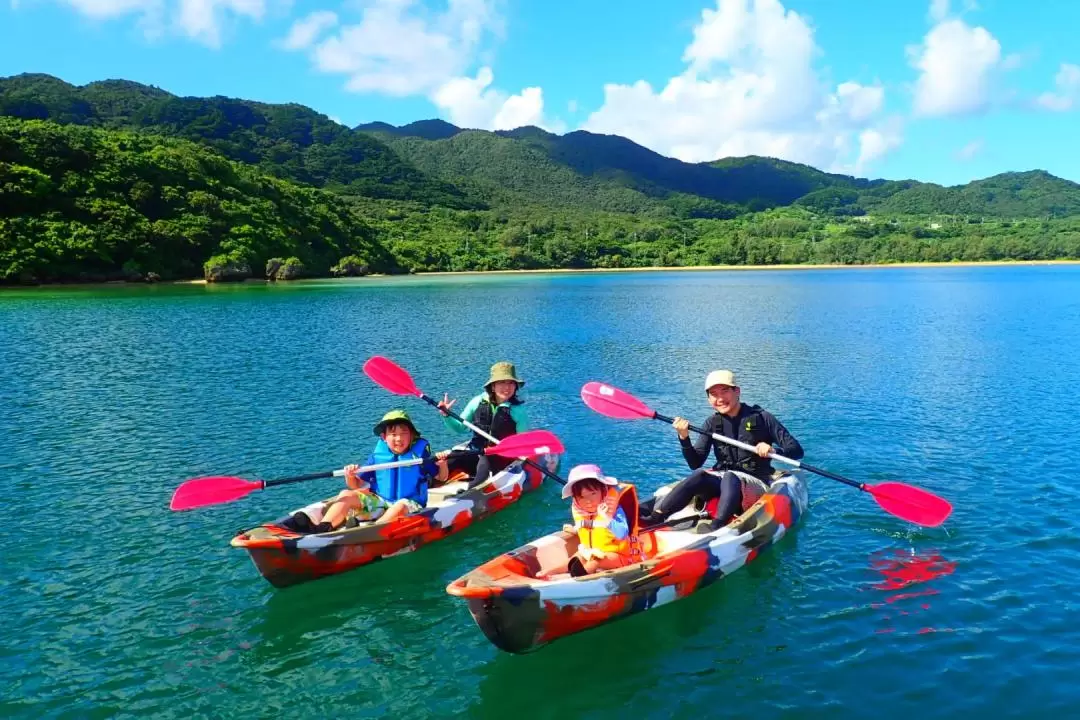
point(118, 608)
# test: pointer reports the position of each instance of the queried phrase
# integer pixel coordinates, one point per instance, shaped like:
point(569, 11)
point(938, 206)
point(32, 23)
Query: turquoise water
point(959, 380)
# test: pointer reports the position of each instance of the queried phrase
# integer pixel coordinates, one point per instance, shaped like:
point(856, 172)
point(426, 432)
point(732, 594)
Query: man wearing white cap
point(738, 477)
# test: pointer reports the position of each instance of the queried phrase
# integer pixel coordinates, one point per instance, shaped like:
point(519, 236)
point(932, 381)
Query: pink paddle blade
point(911, 503)
point(527, 444)
point(390, 376)
point(613, 402)
point(201, 492)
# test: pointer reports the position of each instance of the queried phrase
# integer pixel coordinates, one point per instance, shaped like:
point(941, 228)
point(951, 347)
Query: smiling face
point(724, 399)
point(398, 437)
point(503, 390)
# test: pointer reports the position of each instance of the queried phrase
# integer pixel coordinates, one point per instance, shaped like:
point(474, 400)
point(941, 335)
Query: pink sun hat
point(585, 472)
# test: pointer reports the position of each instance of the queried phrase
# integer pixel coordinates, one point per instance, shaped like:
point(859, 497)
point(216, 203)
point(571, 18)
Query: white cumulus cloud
point(957, 66)
point(401, 49)
point(204, 21)
point(304, 32)
point(471, 102)
point(1067, 84)
point(749, 86)
point(102, 9)
point(397, 48)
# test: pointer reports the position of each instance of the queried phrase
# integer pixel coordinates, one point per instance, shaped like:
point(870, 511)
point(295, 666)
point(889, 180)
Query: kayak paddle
point(391, 376)
point(200, 492)
point(904, 501)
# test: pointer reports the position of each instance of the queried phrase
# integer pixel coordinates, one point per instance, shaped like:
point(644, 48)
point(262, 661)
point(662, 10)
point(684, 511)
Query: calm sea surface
point(959, 380)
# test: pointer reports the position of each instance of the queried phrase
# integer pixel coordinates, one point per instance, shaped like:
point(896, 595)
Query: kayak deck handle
point(459, 588)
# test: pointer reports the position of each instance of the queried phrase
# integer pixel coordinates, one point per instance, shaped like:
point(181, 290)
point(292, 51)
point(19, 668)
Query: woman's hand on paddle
point(682, 426)
point(763, 449)
point(446, 403)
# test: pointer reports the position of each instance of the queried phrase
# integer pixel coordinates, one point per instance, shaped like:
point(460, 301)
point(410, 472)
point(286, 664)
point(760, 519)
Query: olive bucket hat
point(395, 416)
point(503, 371)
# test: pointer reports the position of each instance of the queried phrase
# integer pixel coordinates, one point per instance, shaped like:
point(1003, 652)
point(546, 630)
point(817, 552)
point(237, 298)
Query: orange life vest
point(594, 529)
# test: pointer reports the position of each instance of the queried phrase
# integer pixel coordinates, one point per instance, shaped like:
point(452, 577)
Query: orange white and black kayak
point(286, 558)
point(519, 613)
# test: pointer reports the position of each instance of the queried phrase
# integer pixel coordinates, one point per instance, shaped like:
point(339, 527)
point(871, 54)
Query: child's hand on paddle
point(352, 478)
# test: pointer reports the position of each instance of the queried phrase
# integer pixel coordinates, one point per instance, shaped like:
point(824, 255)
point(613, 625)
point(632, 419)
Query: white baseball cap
point(720, 377)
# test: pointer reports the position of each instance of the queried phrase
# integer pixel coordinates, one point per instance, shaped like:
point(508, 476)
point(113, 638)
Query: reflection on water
point(902, 570)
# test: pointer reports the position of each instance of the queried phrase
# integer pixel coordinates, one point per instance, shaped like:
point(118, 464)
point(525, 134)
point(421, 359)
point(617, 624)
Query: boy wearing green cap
point(388, 494)
point(497, 411)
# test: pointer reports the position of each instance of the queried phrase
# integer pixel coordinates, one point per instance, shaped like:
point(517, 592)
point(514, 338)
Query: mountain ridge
point(435, 163)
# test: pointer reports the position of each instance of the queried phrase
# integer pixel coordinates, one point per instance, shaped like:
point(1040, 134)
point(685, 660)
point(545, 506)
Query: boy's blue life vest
point(402, 482)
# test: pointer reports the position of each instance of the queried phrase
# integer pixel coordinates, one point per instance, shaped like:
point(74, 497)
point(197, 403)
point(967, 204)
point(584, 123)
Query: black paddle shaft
point(804, 466)
point(457, 417)
point(298, 478)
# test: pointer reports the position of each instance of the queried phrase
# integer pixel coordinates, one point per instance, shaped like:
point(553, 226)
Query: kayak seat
point(668, 541)
point(630, 505)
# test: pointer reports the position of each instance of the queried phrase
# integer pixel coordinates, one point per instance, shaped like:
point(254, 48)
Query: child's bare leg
point(395, 511)
point(339, 510)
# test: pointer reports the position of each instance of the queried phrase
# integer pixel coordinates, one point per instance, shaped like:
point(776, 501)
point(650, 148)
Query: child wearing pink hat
point(607, 532)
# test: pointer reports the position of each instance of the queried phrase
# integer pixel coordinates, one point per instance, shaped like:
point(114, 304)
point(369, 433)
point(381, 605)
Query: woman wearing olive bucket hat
point(497, 411)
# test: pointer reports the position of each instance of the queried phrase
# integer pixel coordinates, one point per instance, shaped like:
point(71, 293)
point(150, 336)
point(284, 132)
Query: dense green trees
point(81, 203)
point(115, 180)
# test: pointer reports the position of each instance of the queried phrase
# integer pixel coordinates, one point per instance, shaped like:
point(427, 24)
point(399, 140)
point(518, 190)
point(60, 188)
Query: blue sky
point(936, 90)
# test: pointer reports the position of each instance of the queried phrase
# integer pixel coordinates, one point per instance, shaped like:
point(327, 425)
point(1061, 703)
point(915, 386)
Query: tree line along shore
point(119, 181)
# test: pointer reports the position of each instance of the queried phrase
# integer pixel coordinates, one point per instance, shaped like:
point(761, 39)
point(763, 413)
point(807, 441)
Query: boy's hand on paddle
point(352, 478)
point(763, 449)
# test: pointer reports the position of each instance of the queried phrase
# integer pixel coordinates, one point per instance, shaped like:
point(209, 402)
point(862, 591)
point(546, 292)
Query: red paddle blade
point(613, 402)
point(391, 376)
point(527, 444)
point(911, 503)
point(201, 492)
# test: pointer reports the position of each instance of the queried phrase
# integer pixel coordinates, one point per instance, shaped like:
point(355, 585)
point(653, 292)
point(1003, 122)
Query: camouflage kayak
point(286, 558)
point(519, 613)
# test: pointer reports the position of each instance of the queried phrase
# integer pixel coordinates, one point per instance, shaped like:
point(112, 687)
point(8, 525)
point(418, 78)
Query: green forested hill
point(290, 141)
point(435, 163)
point(93, 204)
point(116, 178)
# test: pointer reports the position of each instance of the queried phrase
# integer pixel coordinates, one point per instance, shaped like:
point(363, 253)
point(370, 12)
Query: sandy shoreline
point(698, 268)
point(705, 268)
point(973, 263)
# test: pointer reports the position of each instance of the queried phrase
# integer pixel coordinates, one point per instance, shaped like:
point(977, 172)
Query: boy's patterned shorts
point(373, 506)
